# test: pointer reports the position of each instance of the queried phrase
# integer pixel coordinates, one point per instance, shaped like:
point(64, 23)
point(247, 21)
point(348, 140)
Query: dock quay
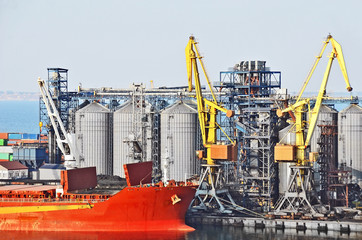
point(277, 224)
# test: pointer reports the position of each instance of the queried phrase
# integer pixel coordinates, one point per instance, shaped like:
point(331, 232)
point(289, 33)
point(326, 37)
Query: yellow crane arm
point(336, 53)
point(207, 115)
point(191, 65)
point(192, 52)
point(325, 43)
point(337, 50)
point(229, 113)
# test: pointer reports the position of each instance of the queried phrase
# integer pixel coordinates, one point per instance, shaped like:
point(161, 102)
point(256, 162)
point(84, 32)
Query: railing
point(52, 200)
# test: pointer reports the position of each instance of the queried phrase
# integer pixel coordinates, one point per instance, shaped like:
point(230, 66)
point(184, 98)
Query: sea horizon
point(19, 116)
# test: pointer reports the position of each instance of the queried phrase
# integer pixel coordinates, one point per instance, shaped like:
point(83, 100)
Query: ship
point(65, 207)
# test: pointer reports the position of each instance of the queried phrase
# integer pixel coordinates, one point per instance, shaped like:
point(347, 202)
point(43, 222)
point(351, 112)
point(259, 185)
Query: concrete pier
point(278, 224)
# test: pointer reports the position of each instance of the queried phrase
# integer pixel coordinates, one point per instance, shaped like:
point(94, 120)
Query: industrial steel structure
point(300, 191)
point(250, 91)
point(161, 125)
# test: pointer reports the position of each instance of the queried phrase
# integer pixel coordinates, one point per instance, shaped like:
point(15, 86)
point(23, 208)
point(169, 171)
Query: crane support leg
point(210, 195)
point(299, 192)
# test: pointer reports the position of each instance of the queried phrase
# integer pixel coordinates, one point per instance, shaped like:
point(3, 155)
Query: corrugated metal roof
point(352, 108)
point(327, 109)
point(52, 166)
point(127, 107)
point(179, 107)
point(13, 165)
point(94, 107)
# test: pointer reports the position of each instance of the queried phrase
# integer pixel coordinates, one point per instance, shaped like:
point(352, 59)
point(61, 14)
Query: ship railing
point(51, 200)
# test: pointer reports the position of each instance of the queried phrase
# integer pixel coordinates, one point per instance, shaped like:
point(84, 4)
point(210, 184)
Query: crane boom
point(300, 190)
point(298, 107)
point(211, 186)
point(64, 139)
point(207, 110)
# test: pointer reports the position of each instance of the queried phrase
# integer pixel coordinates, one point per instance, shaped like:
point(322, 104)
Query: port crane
point(65, 140)
point(298, 192)
point(210, 186)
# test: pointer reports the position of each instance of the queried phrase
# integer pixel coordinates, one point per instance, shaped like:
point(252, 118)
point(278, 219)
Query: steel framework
point(249, 90)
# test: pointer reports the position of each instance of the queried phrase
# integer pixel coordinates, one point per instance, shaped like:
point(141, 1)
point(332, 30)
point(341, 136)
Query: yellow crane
point(297, 153)
point(299, 107)
point(207, 112)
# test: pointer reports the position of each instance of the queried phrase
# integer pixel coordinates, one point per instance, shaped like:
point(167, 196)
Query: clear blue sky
point(115, 43)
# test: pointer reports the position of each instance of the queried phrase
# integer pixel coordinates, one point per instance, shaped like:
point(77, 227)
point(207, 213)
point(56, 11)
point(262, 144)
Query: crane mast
point(64, 139)
point(297, 193)
point(210, 186)
point(207, 110)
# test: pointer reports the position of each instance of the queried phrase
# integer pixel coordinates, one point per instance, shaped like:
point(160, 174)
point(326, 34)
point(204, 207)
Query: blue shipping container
point(14, 136)
point(31, 136)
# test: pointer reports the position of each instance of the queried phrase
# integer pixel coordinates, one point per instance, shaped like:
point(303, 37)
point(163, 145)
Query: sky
point(112, 43)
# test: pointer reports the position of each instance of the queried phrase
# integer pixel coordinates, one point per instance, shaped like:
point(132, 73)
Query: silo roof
point(127, 107)
point(352, 108)
point(179, 107)
point(94, 107)
point(327, 109)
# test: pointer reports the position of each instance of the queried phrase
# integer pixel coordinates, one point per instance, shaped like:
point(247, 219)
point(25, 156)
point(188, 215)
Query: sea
point(23, 117)
point(205, 232)
point(19, 116)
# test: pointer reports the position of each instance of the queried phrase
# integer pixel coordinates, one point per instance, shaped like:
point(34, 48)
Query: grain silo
point(286, 136)
point(327, 116)
point(179, 131)
point(132, 135)
point(93, 128)
point(325, 145)
point(350, 139)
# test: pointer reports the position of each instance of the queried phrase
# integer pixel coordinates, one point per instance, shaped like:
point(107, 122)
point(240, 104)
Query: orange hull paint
point(132, 209)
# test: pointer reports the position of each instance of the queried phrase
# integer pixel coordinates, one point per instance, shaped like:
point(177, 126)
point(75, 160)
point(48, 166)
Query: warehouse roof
point(13, 165)
point(53, 166)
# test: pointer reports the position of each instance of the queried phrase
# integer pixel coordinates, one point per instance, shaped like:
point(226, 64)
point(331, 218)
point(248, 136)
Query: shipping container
point(6, 149)
point(15, 136)
point(12, 143)
point(5, 156)
point(30, 136)
point(4, 135)
point(3, 142)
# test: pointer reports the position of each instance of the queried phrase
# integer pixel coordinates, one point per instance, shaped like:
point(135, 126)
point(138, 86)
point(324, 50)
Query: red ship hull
point(132, 209)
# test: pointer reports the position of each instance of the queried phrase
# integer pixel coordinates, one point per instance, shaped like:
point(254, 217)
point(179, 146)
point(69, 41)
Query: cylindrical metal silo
point(132, 135)
point(349, 140)
point(93, 128)
point(327, 116)
point(286, 136)
point(179, 130)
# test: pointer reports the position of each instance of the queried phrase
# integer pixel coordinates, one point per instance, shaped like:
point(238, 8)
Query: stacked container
point(179, 130)
point(93, 128)
point(350, 139)
point(6, 152)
